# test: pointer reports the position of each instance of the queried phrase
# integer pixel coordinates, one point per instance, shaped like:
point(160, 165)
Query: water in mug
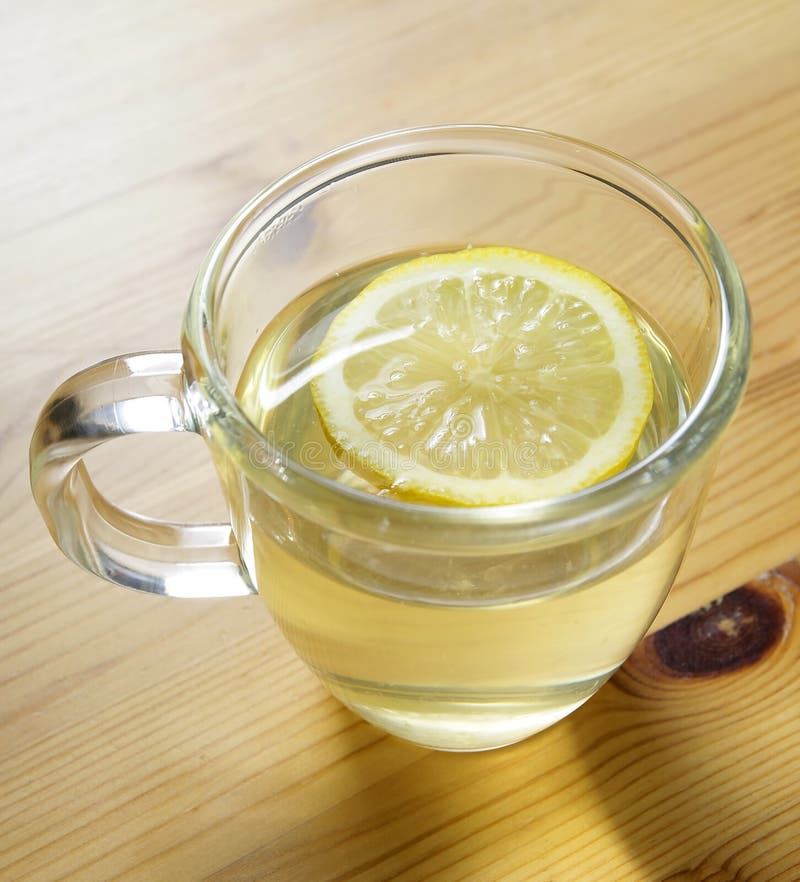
point(467, 665)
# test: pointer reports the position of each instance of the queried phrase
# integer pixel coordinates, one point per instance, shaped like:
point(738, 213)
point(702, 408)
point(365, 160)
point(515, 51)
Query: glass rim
point(648, 479)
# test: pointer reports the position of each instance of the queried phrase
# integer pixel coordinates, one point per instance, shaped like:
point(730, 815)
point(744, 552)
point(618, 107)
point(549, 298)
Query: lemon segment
point(484, 376)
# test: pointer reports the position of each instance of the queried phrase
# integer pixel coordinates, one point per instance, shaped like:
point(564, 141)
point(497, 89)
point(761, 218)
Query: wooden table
point(145, 739)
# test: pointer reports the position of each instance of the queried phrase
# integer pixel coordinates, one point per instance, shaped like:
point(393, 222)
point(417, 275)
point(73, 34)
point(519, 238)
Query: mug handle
point(143, 392)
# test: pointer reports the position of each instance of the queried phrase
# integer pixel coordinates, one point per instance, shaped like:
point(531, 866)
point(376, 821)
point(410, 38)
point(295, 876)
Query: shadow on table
point(651, 781)
point(619, 784)
point(584, 796)
point(628, 787)
point(645, 776)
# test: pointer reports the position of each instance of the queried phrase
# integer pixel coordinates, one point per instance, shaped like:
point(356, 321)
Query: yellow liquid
point(459, 651)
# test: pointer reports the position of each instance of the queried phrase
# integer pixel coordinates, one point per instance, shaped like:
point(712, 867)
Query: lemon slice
point(485, 376)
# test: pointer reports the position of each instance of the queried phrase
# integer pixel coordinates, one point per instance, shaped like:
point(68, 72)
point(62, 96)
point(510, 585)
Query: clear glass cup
point(458, 628)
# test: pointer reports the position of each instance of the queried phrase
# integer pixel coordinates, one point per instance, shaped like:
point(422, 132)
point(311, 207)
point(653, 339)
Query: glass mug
point(459, 628)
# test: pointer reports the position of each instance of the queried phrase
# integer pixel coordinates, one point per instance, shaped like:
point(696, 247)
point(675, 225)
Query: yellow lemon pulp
point(485, 376)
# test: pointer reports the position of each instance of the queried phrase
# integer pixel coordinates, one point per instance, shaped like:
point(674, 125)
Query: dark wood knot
point(730, 633)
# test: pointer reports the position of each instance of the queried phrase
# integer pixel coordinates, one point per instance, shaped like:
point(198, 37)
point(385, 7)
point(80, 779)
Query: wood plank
point(147, 740)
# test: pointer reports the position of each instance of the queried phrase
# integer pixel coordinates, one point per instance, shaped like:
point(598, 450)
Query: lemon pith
point(485, 376)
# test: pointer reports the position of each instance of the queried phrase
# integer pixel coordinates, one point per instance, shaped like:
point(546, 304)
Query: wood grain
point(143, 739)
